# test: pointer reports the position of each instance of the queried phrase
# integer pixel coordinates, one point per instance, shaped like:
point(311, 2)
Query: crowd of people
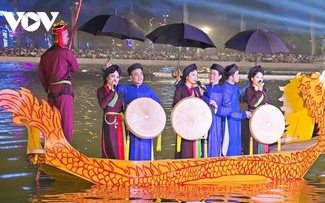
point(221, 95)
point(224, 137)
point(186, 54)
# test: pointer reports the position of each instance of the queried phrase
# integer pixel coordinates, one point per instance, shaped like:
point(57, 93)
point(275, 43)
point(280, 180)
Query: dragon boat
point(303, 106)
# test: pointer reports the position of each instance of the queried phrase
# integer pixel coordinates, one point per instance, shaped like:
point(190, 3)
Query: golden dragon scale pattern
point(59, 153)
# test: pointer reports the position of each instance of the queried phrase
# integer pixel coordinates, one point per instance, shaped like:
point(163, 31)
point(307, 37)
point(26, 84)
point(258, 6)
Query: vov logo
point(26, 17)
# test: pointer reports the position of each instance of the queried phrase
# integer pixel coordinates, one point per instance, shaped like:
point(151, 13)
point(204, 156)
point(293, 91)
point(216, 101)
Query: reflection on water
point(289, 191)
point(17, 176)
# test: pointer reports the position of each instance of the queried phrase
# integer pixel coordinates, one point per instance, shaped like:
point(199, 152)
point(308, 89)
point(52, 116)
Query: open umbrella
point(257, 41)
point(180, 35)
point(113, 26)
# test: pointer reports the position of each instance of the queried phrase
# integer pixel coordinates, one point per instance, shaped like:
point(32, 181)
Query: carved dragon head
point(312, 91)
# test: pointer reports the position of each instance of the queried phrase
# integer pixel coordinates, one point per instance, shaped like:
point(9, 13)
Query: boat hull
point(62, 161)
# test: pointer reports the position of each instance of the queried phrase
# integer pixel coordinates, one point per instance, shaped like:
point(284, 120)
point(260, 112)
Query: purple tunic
point(56, 65)
point(254, 99)
point(112, 140)
point(186, 145)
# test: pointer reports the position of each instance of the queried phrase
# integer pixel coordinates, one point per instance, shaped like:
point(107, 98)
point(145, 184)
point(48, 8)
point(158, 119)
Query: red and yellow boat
point(303, 99)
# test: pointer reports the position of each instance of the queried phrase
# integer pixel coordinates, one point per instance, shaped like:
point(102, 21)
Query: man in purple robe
point(55, 68)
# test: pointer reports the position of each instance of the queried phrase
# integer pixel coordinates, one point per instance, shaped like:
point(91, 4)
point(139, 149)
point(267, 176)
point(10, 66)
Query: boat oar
point(75, 24)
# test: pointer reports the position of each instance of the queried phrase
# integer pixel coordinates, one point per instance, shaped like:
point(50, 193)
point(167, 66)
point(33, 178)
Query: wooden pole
point(75, 24)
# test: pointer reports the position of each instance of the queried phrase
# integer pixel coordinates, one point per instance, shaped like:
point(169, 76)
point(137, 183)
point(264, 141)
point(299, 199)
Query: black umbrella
point(180, 35)
point(256, 41)
point(114, 26)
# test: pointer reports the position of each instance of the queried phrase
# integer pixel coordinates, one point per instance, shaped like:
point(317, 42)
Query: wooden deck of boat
point(295, 146)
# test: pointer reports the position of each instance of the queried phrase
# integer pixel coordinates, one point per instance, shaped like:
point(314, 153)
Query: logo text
point(23, 18)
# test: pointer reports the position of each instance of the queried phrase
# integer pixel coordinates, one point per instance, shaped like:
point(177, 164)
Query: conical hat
point(145, 118)
point(191, 118)
point(267, 124)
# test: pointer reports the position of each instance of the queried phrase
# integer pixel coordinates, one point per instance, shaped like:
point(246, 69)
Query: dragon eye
point(319, 89)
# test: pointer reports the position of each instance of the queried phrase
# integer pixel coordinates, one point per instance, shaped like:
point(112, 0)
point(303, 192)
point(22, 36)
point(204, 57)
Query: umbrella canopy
point(257, 41)
point(113, 26)
point(180, 35)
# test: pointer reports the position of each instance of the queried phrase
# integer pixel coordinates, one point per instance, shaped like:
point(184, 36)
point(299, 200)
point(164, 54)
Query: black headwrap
point(218, 68)
point(230, 70)
point(253, 71)
point(133, 67)
point(111, 69)
point(187, 70)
